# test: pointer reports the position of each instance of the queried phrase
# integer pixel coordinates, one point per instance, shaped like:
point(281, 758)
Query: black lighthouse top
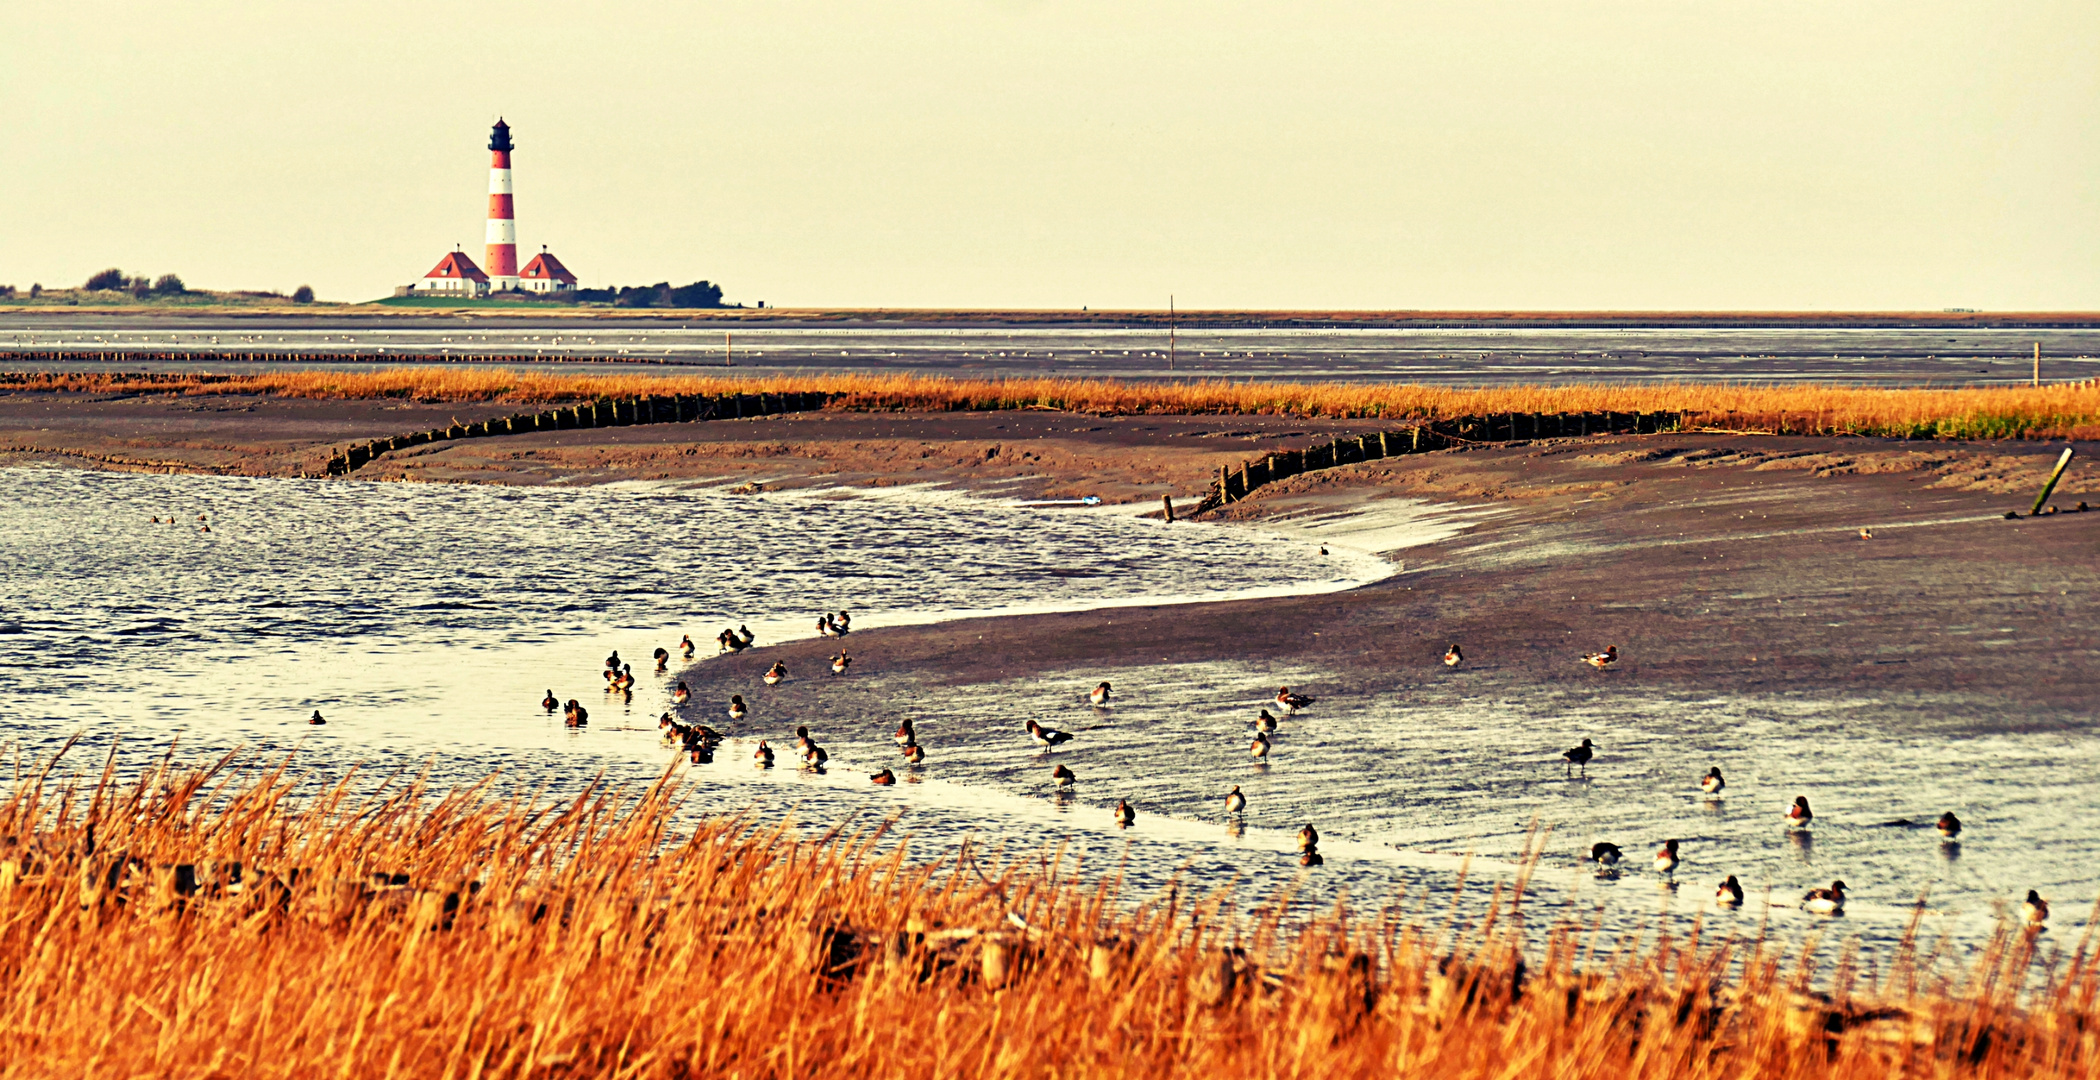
point(499, 136)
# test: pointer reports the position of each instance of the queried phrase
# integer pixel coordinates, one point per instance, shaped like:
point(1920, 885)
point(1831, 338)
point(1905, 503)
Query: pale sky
point(1007, 153)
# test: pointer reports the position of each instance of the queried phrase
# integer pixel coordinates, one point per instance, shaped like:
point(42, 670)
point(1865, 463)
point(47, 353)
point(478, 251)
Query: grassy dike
point(2051, 411)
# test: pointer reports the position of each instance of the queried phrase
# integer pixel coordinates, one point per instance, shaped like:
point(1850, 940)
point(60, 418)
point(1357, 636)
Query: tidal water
point(1451, 356)
point(426, 621)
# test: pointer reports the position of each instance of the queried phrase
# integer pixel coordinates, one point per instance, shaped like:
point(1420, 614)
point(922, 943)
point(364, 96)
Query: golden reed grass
point(2057, 410)
point(196, 924)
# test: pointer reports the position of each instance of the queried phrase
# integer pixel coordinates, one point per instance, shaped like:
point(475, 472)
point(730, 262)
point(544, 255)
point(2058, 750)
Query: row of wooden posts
point(604, 412)
point(1232, 484)
point(288, 356)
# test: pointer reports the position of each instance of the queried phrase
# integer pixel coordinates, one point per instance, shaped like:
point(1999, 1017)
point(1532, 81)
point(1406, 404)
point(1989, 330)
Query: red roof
point(457, 265)
point(547, 267)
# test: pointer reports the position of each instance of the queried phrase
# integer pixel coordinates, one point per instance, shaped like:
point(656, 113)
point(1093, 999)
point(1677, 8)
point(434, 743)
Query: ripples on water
point(426, 621)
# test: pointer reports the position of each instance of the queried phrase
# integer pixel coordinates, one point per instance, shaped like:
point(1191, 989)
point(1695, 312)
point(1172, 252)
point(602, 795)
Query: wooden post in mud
point(2037, 363)
point(1224, 495)
point(2062, 463)
point(1166, 505)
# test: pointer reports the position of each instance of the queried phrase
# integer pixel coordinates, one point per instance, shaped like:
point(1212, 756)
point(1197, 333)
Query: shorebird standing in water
point(1799, 815)
point(1579, 755)
point(1125, 816)
point(681, 694)
point(1830, 901)
point(1452, 657)
point(1260, 747)
point(1666, 859)
point(1730, 894)
point(1235, 802)
point(1602, 660)
point(914, 754)
point(1062, 777)
point(685, 645)
point(663, 659)
point(1605, 854)
point(737, 711)
point(1713, 783)
point(1100, 696)
point(550, 702)
point(1046, 738)
point(1265, 723)
point(1949, 825)
point(1289, 703)
point(884, 778)
point(316, 718)
point(2035, 911)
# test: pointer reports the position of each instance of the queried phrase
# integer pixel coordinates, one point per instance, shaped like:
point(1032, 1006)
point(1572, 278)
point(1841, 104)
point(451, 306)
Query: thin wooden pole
point(728, 349)
point(2037, 363)
point(1170, 331)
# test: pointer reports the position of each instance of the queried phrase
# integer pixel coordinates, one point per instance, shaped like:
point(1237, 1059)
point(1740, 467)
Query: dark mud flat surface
point(1717, 565)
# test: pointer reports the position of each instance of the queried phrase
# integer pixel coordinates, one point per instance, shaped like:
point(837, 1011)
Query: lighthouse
point(502, 257)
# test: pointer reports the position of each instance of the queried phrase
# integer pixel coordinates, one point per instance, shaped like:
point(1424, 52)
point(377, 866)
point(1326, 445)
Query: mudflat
point(1718, 564)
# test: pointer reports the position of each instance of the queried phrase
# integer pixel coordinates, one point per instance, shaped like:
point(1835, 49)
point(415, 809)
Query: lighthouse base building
point(454, 275)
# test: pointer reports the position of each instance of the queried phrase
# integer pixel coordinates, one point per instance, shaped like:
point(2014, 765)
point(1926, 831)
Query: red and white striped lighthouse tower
point(502, 259)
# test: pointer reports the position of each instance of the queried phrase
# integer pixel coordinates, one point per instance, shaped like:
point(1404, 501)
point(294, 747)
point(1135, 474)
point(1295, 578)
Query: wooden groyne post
point(2062, 463)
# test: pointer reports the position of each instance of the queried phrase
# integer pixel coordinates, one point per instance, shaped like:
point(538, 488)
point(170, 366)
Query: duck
point(906, 734)
point(625, 680)
point(1799, 815)
point(745, 635)
point(612, 663)
point(1712, 783)
point(1602, 660)
point(1125, 816)
point(776, 673)
point(840, 662)
point(884, 778)
point(316, 718)
point(1453, 657)
point(663, 658)
point(731, 643)
point(1666, 860)
point(1866, 534)
point(1308, 837)
point(815, 757)
point(1605, 853)
point(685, 645)
point(1290, 703)
point(1234, 801)
point(842, 622)
point(1830, 901)
point(1265, 723)
point(763, 756)
point(575, 715)
point(1100, 695)
point(1730, 894)
point(914, 754)
point(2035, 911)
point(1259, 749)
point(1580, 755)
point(1949, 825)
point(737, 711)
point(1046, 738)
point(681, 693)
point(1062, 777)
point(700, 753)
point(802, 740)
point(550, 702)
point(824, 628)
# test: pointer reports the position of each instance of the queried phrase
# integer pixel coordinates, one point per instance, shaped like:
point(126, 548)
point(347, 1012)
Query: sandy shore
point(1717, 564)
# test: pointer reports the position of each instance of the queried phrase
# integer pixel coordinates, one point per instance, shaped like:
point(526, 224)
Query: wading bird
point(1452, 657)
point(1046, 738)
point(1579, 755)
point(1100, 695)
point(1730, 894)
point(1713, 783)
point(1234, 801)
point(1799, 815)
point(1062, 777)
point(1602, 660)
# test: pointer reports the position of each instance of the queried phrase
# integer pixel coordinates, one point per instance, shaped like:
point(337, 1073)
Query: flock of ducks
point(700, 741)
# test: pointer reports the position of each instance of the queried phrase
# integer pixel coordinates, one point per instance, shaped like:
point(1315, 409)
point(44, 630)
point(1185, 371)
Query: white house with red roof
point(546, 274)
point(454, 275)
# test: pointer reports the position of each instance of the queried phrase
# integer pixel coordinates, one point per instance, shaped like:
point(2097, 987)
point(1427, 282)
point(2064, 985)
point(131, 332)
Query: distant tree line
point(699, 294)
point(115, 280)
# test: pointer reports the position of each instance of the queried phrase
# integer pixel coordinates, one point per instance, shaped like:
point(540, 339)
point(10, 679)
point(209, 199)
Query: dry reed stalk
point(2062, 410)
point(408, 933)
